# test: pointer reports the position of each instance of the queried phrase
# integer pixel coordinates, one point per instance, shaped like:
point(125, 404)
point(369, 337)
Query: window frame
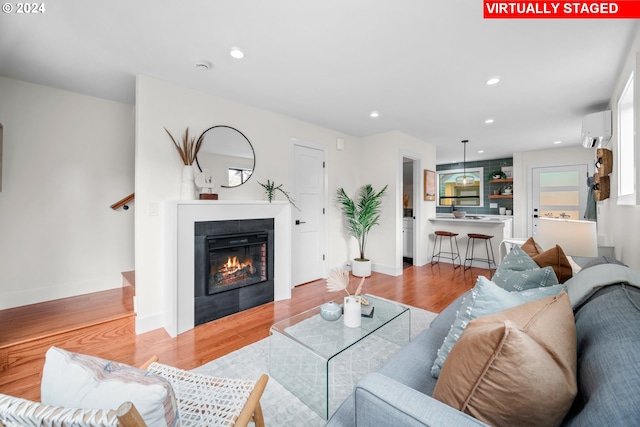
point(624, 152)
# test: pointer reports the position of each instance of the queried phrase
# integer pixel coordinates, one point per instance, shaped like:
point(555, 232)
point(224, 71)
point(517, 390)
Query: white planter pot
point(361, 268)
point(352, 312)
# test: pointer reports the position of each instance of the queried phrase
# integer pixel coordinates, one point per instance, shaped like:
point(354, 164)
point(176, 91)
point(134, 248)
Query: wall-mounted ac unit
point(596, 129)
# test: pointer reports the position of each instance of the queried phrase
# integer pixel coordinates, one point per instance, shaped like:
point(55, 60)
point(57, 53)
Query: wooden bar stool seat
point(453, 254)
point(490, 260)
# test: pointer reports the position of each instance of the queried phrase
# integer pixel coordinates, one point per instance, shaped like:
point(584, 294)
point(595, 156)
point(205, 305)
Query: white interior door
point(308, 236)
point(558, 192)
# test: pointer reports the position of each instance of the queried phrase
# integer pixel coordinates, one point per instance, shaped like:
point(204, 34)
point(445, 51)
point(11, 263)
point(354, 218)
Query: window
point(626, 149)
point(450, 193)
point(237, 176)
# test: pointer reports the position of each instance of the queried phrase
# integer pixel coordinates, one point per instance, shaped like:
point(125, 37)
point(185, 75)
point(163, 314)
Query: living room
point(67, 156)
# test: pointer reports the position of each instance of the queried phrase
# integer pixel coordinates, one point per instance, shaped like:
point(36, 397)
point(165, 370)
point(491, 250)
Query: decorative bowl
point(459, 214)
point(330, 311)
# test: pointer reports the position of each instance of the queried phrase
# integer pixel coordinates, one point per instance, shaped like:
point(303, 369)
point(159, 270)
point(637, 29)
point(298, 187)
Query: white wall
point(382, 164)
point(159, 104)
point(67, 157)
point(620, 224)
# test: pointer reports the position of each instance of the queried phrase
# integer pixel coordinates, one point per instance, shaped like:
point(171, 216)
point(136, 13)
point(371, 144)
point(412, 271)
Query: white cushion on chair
point(82, 381)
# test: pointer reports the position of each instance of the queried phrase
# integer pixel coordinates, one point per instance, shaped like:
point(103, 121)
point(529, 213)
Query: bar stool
point(448, 255)
point(488, 246)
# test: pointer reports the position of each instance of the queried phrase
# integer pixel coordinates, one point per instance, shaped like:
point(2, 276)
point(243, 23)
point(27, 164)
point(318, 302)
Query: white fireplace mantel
point(180, 217)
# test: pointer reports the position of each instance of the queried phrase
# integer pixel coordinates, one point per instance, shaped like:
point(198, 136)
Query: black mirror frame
point(246, 139)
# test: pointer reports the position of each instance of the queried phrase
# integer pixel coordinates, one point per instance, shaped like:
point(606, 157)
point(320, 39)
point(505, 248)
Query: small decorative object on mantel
point(339, 281)
point(204, 181)
point(188, 151)
point(270, 188)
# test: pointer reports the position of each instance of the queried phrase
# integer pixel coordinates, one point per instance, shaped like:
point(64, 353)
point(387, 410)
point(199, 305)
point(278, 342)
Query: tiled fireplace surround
point(180, 217)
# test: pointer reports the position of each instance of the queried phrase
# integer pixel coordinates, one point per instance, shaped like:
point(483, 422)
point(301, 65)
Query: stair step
point(27, 332)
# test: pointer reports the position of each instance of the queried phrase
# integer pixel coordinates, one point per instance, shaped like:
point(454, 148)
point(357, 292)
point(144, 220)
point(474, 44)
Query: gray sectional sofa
point(606, 300)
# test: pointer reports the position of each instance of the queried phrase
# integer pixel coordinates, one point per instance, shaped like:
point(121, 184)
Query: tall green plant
point(361, 214)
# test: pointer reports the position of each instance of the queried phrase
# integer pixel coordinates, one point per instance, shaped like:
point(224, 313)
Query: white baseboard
point(149, 323)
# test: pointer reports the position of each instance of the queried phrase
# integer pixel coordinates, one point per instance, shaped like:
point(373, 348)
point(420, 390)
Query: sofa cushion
point(608, 341)
point(484, 299)
point(516, 367)
point(82, 381)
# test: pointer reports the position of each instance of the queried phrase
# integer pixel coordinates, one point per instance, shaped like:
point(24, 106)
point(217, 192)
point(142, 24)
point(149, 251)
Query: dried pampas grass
point(189, 148)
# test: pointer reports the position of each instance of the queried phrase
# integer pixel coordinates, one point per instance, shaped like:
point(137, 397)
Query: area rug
point(280, 406)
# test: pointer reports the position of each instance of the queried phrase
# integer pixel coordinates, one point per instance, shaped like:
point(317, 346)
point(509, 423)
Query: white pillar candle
point(352, 314)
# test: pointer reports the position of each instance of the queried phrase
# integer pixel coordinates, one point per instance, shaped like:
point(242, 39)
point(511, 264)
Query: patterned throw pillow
point(79, 381)
point(518, 272)
point(508, 366)
point(484, 299)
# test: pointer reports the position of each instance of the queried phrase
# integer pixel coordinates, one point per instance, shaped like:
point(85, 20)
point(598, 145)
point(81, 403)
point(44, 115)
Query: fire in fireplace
point(236, 260)
point(234, 265)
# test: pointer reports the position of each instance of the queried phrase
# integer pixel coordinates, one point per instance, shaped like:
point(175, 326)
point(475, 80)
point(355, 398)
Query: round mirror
point(226, 155)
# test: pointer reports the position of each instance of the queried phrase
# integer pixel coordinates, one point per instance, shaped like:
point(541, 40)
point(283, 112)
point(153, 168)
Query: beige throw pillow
point(516, 367)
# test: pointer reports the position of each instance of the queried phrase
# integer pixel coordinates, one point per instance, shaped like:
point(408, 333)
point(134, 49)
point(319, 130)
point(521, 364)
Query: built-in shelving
point(500, 181)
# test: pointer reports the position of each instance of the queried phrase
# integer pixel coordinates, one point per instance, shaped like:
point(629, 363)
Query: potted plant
point(270, 189)
point(497, 175)
point(360, 216)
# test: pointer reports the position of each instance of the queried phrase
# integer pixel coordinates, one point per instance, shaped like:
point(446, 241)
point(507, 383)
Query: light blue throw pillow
point(517, 260)
point(484, 299)
point(518, 272)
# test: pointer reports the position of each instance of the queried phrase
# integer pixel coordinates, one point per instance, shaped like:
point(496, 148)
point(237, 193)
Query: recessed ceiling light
point(489, 121)
point(557, 142)
point(480, 151)
point(374, 115)
point(235, 52)
point(493, 80)
point(203, 65)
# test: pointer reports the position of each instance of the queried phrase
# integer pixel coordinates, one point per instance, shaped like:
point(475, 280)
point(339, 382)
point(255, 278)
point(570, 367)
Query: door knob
point(298, 222)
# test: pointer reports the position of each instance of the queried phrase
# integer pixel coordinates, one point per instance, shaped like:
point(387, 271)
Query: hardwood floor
point(431, 287)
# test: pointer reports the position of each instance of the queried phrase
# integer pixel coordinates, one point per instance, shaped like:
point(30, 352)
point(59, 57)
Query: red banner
point(622, 9)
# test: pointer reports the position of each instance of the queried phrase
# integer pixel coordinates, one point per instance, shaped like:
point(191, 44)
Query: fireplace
point(233, 267)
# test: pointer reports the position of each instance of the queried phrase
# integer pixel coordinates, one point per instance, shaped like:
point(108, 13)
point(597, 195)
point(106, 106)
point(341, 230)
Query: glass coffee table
point(320, 361)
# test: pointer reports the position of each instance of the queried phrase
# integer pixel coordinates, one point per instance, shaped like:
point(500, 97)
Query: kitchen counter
point(499, 226)
point(476, 219)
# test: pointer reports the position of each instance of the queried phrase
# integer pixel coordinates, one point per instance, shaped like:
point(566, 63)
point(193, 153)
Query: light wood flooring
point(103, 324)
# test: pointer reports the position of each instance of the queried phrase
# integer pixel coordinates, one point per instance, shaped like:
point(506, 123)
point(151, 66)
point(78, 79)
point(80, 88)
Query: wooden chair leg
point(258, 417)
point(128, 416)
point(146, 364)
point(252, 406)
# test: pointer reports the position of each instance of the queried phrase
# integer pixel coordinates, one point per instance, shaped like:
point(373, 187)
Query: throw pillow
point(518, 271)
point(531, 248)
point(556, 259)
point(484, 299)
point(80, 381)
point(517, 260)
point(517, 367)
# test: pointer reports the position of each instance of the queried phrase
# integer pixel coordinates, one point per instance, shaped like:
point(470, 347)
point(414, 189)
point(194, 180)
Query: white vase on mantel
point(352, 312)
point(188, 189)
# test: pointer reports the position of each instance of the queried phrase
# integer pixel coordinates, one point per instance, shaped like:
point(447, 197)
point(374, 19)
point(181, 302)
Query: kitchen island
point(499, 226)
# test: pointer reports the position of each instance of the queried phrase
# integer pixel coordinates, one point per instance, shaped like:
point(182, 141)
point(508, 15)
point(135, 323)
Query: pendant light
point(465, 180)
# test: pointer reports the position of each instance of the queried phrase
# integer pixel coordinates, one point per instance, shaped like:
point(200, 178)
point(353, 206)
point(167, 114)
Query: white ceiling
point(422, 64)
